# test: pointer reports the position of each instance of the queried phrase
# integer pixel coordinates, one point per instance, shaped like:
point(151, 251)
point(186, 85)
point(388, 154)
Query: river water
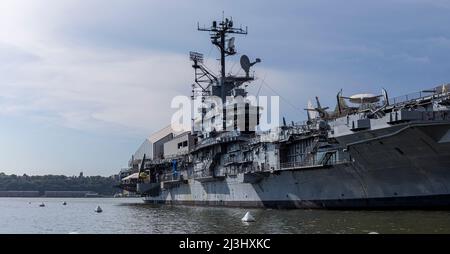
point(131, 216)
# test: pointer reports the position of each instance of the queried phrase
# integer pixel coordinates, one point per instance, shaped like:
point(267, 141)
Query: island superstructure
point(372, 151)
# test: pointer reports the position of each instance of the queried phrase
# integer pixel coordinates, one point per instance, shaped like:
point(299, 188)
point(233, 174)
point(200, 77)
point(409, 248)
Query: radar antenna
point(218, 33)
point(221, 85)
point(246, 64)
point(202, 74)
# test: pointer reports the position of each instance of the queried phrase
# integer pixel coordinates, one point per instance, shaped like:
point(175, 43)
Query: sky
point(83, 83)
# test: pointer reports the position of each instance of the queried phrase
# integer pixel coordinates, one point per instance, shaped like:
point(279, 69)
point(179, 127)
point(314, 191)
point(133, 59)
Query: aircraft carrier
point(371, 151)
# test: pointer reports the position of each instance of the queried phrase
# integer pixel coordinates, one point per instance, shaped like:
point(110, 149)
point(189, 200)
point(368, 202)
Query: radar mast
point(219, 33)
point(221, 86)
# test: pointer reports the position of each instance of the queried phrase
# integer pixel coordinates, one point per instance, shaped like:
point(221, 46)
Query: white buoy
point(248, 218)
point(373, 233)
point(98, 210)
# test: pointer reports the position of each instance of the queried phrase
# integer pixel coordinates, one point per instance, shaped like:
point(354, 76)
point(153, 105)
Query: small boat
point(98, 210)
point(42, 205)
point(64, 203)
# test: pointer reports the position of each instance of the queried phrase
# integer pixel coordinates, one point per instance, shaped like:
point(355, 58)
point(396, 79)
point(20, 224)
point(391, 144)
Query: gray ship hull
point(406, 167)
point(315, 189)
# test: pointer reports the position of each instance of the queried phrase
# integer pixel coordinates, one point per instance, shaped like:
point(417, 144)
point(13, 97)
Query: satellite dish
point(245, 63)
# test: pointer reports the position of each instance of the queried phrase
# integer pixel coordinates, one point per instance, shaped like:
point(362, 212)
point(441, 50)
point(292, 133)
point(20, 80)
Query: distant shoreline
point(50, 194)
point(57, 186)
point(70, 197)
point(106, 196)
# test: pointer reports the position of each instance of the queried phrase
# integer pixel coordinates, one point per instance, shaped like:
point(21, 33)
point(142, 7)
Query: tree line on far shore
point(99, 184)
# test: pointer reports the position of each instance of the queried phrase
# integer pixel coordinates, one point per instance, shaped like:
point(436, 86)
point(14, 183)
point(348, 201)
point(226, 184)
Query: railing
point(230, 160)
point(171, 177)
point(220, 138)
point(299, 164)
point(231, 171)
point(434, 93)
point(409, 97)
point(312, 163)
point(236, 160)
point(201, 174)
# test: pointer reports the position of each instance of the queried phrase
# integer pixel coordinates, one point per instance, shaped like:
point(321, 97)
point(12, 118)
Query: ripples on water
point(130, 216)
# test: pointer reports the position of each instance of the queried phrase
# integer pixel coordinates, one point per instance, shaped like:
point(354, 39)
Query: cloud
point(95, 89)
point(86, 86)
point(83, 87)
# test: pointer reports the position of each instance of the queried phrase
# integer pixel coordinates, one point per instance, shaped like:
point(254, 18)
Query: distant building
point(153, 147)
point(179, 145)
point(81, 175)
point(69, 194)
